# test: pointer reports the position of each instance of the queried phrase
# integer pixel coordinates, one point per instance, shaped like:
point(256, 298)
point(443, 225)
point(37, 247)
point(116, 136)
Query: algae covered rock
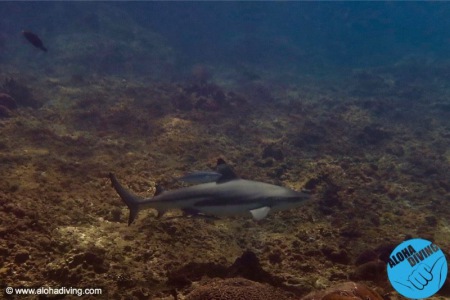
point(236, 289)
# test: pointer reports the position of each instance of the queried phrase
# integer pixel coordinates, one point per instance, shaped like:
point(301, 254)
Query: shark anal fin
point(160, 213)
point(260, 213)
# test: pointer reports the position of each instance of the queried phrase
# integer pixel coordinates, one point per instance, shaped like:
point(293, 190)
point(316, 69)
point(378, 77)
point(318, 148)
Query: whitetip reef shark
point(226, 194)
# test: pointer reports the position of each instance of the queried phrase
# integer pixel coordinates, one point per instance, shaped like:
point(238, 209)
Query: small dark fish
point(34, 40)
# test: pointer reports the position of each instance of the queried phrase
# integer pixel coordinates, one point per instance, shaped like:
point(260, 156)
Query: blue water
point(295, 37)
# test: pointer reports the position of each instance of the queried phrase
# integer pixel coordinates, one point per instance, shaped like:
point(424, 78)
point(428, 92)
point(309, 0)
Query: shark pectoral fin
point(260, 213)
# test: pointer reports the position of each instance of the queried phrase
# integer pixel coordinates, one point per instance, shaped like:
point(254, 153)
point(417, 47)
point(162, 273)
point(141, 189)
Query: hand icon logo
point(423, 274)
point(420, 277)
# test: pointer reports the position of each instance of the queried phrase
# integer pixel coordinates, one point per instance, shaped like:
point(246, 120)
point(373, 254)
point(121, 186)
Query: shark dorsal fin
point(226, 171)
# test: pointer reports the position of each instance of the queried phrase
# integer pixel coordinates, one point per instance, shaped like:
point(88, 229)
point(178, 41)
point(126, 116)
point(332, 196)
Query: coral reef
point(208, 97)
point(235, 289)
point(246, 266)
point(376, 178)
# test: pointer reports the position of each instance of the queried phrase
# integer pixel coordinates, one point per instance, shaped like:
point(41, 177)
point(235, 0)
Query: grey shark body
point(228, 195)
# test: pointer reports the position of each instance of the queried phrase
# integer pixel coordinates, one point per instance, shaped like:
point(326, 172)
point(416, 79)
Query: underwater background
point(350, 100)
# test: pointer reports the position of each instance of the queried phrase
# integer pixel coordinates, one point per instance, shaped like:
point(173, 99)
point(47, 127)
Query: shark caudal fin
point(132, 201)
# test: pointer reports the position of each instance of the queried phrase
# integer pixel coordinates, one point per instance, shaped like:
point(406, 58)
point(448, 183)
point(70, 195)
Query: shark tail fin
point(132, 201)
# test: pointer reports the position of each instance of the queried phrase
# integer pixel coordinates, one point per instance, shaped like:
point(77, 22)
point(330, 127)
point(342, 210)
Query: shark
point(224, 194)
